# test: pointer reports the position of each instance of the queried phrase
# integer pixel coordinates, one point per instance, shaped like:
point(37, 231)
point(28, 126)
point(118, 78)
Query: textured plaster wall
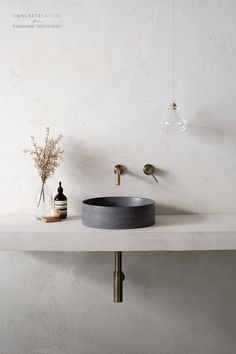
point(175, 303)
point(104, 80)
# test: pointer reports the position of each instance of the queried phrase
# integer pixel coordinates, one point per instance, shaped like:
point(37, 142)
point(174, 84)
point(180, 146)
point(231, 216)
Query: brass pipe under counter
point(118, 278)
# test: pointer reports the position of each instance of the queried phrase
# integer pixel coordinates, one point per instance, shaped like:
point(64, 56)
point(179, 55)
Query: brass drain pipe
point(118, 278)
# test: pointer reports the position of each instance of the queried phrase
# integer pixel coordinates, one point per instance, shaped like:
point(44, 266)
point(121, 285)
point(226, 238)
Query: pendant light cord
point(173, 51)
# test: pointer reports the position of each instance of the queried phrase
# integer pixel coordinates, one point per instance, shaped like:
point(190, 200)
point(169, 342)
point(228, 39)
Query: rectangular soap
point(51, 219)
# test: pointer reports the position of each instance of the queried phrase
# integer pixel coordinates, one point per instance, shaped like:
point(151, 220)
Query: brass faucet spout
point(118, 172)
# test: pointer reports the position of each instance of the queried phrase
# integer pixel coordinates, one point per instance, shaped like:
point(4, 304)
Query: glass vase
point(43, 201)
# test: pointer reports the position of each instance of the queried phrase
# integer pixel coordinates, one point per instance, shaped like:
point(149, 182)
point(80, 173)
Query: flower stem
point(41, 194)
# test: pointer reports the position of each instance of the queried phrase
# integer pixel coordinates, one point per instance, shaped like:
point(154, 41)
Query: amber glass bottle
point(60, 202)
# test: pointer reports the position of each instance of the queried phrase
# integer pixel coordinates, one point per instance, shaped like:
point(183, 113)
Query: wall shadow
point(204, 129)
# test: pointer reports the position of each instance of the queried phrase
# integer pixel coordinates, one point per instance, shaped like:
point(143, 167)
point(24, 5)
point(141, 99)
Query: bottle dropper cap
point(60, 189)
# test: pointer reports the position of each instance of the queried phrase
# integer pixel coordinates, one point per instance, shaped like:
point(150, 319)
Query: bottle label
point(61, 205)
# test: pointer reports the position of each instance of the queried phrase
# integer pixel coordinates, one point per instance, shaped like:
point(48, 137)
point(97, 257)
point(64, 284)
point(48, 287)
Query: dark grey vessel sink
point(118, 212)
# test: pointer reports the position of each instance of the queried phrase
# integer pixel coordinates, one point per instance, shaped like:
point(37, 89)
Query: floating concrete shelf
point(171, 233)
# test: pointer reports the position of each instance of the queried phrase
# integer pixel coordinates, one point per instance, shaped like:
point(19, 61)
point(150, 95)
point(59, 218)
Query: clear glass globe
point(174, 124)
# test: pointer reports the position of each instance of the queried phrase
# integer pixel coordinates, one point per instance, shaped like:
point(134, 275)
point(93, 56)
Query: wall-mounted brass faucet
point(149, 170)
point(118, 172)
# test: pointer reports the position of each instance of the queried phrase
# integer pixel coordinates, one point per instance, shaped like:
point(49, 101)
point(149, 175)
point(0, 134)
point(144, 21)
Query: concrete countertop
point(171, 233)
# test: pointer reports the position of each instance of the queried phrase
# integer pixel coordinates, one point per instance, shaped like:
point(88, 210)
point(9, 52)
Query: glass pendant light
point(173, 123)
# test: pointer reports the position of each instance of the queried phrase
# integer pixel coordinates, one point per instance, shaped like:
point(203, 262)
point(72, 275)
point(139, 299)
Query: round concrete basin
point(118, 212)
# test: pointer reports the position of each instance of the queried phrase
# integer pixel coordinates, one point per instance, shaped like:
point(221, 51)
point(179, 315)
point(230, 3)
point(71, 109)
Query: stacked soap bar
point(48, 219)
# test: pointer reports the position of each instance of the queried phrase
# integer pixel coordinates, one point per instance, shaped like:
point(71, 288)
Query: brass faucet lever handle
point(149, 170)
point(154, 177)
point(118, 172)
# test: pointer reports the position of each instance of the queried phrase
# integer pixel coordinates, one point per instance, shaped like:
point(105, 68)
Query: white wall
point(104, 81)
